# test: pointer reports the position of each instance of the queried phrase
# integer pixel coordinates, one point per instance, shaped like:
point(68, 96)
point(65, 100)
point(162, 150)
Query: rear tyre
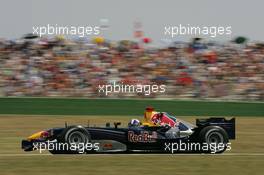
point(215, 137)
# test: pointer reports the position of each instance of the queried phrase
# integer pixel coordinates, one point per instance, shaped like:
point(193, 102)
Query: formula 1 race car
point(209, 135)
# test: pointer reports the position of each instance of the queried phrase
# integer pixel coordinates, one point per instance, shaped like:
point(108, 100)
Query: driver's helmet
point(134, 122)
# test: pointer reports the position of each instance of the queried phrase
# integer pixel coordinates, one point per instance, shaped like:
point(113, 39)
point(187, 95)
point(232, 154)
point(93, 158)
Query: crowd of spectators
point(74, 68)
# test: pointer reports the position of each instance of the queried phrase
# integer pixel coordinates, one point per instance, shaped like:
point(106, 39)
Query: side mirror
point(107, 125)
point(117, 124)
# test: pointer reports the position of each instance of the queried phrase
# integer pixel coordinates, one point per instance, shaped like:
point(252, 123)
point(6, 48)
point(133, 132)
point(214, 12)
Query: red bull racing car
point(211, 135)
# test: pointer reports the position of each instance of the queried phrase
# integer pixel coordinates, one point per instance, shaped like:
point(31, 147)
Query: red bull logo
point(144, 136)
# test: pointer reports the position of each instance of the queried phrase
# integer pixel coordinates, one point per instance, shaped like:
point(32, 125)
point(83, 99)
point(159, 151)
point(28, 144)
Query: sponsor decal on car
point(143, 137)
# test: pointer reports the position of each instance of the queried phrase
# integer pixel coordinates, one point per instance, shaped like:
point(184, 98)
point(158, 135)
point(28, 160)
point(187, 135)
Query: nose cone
point(35, 136)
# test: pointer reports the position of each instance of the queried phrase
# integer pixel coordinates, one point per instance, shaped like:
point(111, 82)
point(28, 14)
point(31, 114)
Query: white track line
point(22, 155)
point(179, 154)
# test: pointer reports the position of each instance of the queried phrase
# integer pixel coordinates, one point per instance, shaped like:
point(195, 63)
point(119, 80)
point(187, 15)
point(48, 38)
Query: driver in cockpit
point(154, 118)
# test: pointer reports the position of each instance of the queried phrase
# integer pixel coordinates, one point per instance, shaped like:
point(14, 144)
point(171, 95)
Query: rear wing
point(228, 125)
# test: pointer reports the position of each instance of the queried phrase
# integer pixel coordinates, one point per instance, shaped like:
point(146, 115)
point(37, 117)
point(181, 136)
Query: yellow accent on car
point(148, 124)
point(35, 136)
point(147, 119)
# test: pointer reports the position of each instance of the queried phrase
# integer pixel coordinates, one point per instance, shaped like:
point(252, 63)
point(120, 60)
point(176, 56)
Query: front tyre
point(73, 141)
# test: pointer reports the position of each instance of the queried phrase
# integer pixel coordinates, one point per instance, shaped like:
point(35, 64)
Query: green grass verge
point(131, 165)
point(67, 106)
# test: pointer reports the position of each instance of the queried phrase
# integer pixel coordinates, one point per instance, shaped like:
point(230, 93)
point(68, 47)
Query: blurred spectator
point(60, 67)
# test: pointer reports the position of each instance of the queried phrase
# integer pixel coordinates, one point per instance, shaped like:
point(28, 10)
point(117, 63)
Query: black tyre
point(215, 137)
point(73, 141)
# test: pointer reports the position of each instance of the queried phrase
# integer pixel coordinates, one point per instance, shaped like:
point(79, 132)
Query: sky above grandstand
point(245, 17)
